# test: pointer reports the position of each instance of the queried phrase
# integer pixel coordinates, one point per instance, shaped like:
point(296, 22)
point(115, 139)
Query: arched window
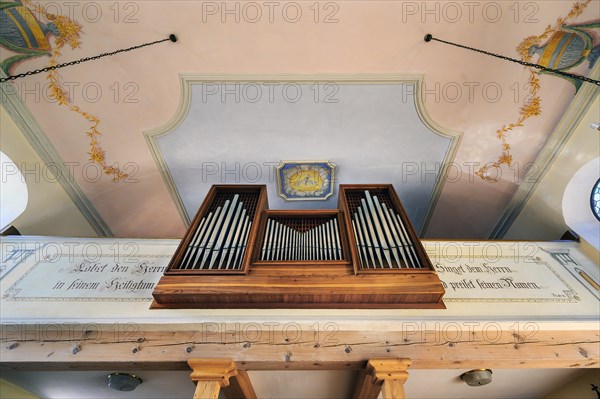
point(581, 209)
point(595, 199)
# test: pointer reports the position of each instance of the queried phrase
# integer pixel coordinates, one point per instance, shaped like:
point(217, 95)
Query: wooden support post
point(240, 387)
point(212, 375)
point(388, 375)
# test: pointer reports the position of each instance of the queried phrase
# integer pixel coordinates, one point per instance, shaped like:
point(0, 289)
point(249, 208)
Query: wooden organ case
point(239, 254)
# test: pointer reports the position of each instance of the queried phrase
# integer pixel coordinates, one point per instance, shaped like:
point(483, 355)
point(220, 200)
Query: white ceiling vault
point(372, 133)
point(236, 130)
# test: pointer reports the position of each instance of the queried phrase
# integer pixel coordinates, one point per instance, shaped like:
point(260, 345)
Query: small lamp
point(123, 381)
point(478, 377)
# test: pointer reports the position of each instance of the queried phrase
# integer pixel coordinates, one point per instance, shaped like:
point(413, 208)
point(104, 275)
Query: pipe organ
point(301, 238)
point(383, 239)
point(220, 239)
point(380, 231)
point(237, 253)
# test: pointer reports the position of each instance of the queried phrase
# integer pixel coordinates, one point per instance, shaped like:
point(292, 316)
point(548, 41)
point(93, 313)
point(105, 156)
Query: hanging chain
point(171, 37)
point(429, 38)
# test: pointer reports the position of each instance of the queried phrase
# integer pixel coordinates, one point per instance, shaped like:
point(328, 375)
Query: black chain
point(171, 37)
point(429, 38)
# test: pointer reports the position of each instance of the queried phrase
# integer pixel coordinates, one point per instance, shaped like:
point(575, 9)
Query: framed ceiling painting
point(305, 180)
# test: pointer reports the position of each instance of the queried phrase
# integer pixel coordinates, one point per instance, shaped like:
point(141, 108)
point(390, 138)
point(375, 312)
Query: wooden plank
point(277, 346)
point(399, 290)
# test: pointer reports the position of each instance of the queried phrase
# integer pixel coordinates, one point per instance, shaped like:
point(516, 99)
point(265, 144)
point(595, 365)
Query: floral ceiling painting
point(561, 46)
point(24, 34)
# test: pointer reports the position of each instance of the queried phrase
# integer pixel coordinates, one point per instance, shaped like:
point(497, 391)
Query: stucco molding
point(187, 80)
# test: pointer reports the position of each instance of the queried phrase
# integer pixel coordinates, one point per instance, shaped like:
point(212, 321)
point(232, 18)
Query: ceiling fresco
point(96, 115)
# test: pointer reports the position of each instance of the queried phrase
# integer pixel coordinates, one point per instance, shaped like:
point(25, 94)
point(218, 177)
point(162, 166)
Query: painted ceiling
point(369, 129)
point(98, 115)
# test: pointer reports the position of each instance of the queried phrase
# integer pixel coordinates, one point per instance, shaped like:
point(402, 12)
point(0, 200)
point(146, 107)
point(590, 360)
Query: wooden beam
point(169, 347)
point(387, 374)
point(213, 375)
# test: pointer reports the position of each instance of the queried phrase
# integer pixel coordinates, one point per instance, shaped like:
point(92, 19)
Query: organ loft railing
point(239, 254)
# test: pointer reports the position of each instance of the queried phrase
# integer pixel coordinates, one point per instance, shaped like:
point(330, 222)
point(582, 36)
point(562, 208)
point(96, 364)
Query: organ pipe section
point(239, 253)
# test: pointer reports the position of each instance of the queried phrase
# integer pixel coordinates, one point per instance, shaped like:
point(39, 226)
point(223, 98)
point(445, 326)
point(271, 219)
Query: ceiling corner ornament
point(305, 180)
point(567, 46)
point(25, 35)
point(563, 44)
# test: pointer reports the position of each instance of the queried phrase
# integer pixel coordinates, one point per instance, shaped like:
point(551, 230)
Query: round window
point(595, 200)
